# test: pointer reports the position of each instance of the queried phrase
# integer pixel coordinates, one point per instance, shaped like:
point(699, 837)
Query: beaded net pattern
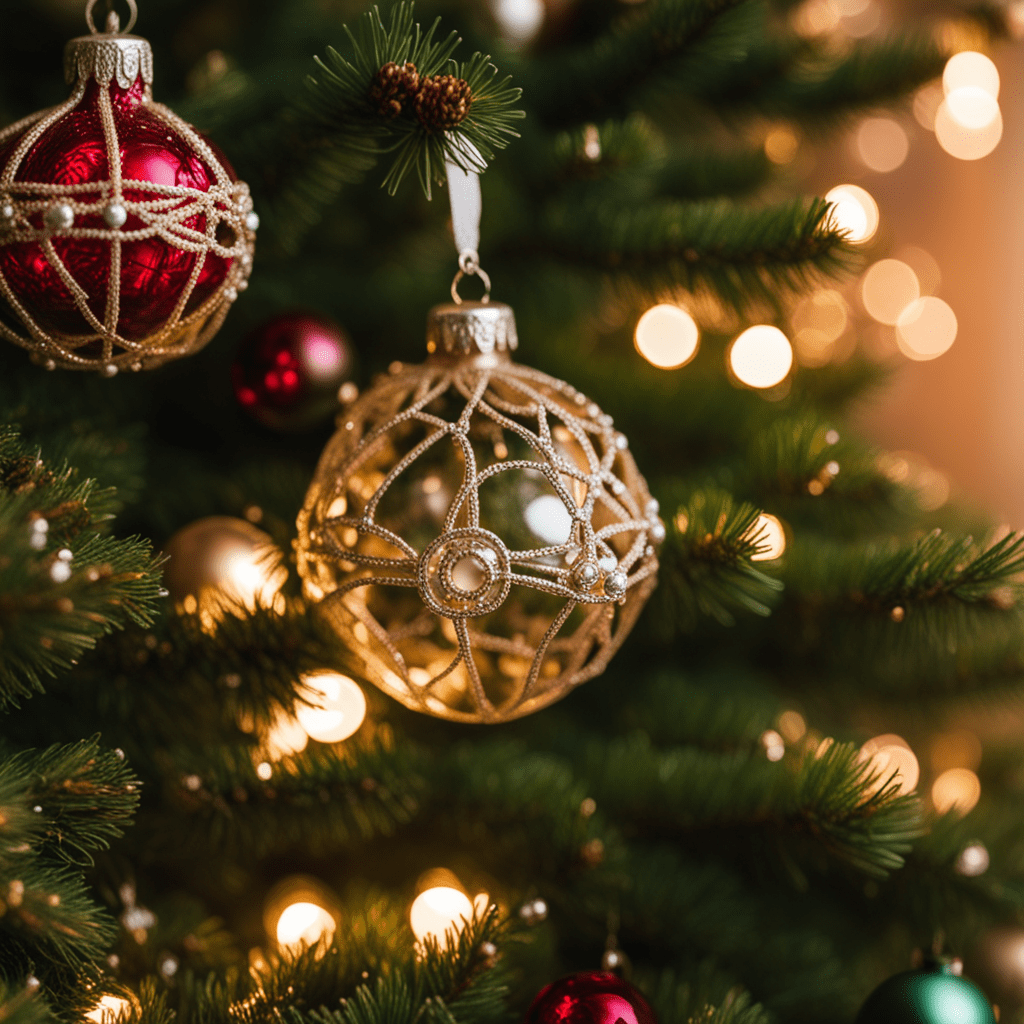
point(39, 212)
point(470, 626)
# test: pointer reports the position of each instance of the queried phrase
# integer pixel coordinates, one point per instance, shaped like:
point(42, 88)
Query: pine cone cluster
point(392, 86)
point(439, 102)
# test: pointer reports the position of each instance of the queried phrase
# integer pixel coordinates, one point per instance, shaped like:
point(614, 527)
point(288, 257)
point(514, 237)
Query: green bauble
point(932, 995)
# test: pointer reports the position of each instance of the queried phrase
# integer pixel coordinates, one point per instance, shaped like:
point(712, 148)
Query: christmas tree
point(208, 813)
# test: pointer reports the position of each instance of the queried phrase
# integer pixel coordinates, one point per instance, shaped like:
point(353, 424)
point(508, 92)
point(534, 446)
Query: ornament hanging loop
point(113, 26)
point(469, 266)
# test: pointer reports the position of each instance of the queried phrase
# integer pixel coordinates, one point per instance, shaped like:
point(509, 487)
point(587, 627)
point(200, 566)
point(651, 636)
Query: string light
point(442, 911)
point(891, 761)
point(854, 211)
point(973, 861)
point(882, 144)
point(888, 288)
point(771, 538)
point(774, 746)
point(761, 356)
point(926, 329)
point(968, 122)
point(304, 924)
point(519, 20)
point(338, 707)
point(297, 913)
point(956, 789)
point(108, 1009)
point(667, 336)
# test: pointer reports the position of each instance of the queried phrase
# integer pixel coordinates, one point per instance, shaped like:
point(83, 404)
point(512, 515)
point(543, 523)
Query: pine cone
point(392, 86)
point(442, 102)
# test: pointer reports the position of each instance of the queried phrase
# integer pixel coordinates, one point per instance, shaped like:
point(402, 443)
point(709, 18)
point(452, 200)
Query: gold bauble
point(220, 563)
point(477, 532)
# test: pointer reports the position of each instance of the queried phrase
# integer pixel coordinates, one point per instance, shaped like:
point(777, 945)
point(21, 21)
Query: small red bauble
point(124, 234)
point(592, 997)
point(288, 371)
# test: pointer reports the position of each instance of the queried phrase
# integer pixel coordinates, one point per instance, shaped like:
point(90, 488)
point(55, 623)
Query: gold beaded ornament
point(39, 212)
point(477, 532)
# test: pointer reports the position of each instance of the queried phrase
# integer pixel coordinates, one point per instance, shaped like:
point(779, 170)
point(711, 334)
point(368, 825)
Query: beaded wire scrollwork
point(499, 394)
point(165, 213)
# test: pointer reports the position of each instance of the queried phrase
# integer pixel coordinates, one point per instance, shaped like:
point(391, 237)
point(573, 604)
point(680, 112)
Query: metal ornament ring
point(131, 21)
point(479, 272)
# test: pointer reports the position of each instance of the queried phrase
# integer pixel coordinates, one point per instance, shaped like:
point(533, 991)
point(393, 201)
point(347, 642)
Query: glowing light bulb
point(892, 762)
point(888, 288)
point(108, 1009)
point(926, 329)
point(761, 356)
point(338, 707)
point(439, 912)
point(667, 336)
point(973, 861)
point(771, 538)
point(854, 211)
point(970, 68)
point(304, 924)
point(286, 736)
point(882, 144)
point(957, 789)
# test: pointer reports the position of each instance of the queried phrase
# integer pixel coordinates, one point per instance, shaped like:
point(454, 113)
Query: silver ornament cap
point(109, 55)
point(472, 328)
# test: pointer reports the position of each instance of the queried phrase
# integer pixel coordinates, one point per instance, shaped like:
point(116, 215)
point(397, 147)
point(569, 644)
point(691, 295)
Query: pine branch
point(21, 1005)
point(679, 1002)
point(706, 567)
point(832, 806)
point(63, 584)
point(747, 256)
point(603, 76)
point(340, 98)
point(323, 799)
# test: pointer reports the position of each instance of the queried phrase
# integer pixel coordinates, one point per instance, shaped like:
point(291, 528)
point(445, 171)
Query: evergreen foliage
point(746, 890)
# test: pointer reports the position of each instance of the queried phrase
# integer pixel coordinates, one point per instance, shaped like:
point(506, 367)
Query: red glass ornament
point(591, 997)
point(124, 235)
point(288, 371)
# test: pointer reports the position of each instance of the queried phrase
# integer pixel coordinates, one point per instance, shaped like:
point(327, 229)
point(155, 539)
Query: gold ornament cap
point(110, 55)
point(472, 328)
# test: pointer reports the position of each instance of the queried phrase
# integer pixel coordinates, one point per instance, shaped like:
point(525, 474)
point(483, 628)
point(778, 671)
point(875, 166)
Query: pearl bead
point(59, 217)
point(252, 220)
point(615, 583)
point(115, 215)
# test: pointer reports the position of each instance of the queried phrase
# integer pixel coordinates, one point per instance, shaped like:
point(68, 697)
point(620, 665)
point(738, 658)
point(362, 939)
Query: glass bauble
point(477, 532)
point(124, 234)
point(933, 995)
point(591, 997)
point(220, 563)
point(288, 371)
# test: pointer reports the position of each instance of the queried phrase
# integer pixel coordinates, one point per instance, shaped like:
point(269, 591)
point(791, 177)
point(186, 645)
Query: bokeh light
point(781, 145)
point(888, 287)
point(924, 264)
point(518, 20)
point(818, 322)
point(970, 68)
point(304, 924)
point(792, 725)
point(957, 748)
point(927, 101)
point(338, 707)
point(774, 746)
point(108, 1009)
point(771, 538)
point(439, 912)
point(286, 736)
point(854, 212)
point(956, 789)
point(926, 329)
point(761, 356)
point(882, 144)
point(667, 336)
point(973, 861)
point(968, 124)
point(892, 762)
